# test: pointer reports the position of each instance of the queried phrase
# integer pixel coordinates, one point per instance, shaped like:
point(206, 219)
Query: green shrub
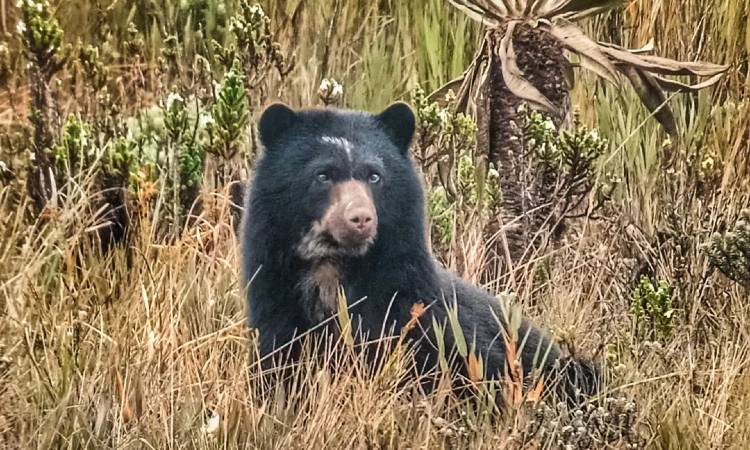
point(730, 252)
point(651, 304)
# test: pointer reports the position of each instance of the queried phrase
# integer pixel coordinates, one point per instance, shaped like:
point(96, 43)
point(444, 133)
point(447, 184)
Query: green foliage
point(428, 112)
point(569, 151)
point(78, 151)
point(469, 186)
point(119, 159)
point(478, 189)
point(445, 44)
point(178, 29)
point(41, 38)
point(146, 131)
point(253, 47)
point(41, 32)
point(76, 138)
point(439, 331)
point(185, 154)
point(443, 121)
point(444, 135)
point(133, 43)
point(652, 304)
point(230, 115)
point(92, 66)
point(252, 29)
point(75, 149)
point(442, 215)
point(175, 118)
point(191, 165)
point(567, 162)
point(179, 126)
point(730, 252)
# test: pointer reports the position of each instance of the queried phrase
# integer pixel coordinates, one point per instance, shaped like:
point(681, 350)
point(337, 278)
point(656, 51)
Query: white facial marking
point(340, 142)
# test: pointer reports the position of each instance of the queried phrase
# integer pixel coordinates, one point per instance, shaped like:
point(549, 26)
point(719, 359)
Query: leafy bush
point(567, 159)
point(468, 187)
point(652, 307)
point(730, 252)
point(198, 119)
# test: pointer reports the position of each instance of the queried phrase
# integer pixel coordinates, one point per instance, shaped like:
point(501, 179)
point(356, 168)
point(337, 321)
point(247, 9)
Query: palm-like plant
point(525, 57)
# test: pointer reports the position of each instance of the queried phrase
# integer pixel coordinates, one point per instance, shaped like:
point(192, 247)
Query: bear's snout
point(351, 218)
point(360, 217)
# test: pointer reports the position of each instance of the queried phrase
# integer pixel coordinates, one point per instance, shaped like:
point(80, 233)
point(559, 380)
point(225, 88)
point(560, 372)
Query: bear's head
point(334, 182)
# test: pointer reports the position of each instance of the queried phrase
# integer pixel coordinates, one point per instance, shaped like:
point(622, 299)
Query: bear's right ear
point(274, 121)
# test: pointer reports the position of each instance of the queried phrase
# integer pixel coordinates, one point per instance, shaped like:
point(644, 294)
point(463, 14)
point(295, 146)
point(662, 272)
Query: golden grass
point(142, 347)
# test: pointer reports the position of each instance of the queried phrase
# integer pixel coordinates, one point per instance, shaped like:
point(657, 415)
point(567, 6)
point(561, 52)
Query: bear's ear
point(274, 121)
point(399, 121)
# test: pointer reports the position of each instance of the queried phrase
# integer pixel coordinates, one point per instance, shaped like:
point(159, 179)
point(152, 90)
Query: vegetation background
point(138, 115)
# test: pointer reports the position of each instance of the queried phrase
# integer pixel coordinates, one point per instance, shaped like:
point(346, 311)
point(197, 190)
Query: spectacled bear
point(335, 202)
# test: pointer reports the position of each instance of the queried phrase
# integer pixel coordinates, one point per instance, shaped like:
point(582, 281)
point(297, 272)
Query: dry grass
point(139, 348)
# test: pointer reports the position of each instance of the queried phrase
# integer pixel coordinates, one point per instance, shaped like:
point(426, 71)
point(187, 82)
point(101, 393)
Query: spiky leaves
point(495, 12)
point(555, 18)
point(513, 76)
point(525, 57)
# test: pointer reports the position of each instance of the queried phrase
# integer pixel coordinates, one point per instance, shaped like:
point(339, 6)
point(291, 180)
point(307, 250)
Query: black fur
point(397, 271)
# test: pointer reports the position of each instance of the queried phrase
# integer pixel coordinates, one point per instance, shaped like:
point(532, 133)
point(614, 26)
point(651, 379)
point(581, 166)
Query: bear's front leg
point(277, 317)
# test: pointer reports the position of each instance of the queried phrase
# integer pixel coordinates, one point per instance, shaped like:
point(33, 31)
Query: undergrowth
point(132, 124)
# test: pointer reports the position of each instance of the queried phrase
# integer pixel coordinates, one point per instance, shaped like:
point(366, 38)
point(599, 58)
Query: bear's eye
point(374, 178)
point(322, 177)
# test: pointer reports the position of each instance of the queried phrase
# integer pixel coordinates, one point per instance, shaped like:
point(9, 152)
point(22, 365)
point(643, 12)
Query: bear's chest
point(322, 284)
point(320, 288)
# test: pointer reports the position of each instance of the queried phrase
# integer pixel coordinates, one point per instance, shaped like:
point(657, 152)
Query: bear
point(336, 203)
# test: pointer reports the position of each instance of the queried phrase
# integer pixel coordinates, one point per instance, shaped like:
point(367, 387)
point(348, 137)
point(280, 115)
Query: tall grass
point(141, 347)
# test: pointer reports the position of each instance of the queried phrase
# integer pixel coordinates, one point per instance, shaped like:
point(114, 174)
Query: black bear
point(335, 202)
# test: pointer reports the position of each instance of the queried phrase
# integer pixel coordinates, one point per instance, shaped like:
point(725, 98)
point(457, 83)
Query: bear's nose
point(360, 218)
point(352, 219)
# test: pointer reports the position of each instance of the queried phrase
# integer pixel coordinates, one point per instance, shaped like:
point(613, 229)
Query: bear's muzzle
point(348, 226)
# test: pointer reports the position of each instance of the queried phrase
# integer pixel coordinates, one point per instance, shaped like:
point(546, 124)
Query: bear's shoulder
point(471, 300)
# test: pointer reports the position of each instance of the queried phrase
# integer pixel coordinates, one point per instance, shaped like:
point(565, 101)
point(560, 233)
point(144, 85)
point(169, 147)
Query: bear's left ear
point(399, 121)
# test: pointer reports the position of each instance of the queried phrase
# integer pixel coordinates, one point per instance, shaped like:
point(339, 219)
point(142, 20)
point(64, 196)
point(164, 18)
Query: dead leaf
point(417, 310)
point(344, 319)
point(474, 368)
point(513, 77)
point(535, 394)
point(675, 86)
point(454, 85)
point(481, 14)
point(652, 96)
point(570, 36)
point(580, 9)
point(126, 411)
point(661, 65)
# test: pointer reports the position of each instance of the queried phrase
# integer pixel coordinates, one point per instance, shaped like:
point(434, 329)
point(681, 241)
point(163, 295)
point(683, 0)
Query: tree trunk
point(526, 195)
